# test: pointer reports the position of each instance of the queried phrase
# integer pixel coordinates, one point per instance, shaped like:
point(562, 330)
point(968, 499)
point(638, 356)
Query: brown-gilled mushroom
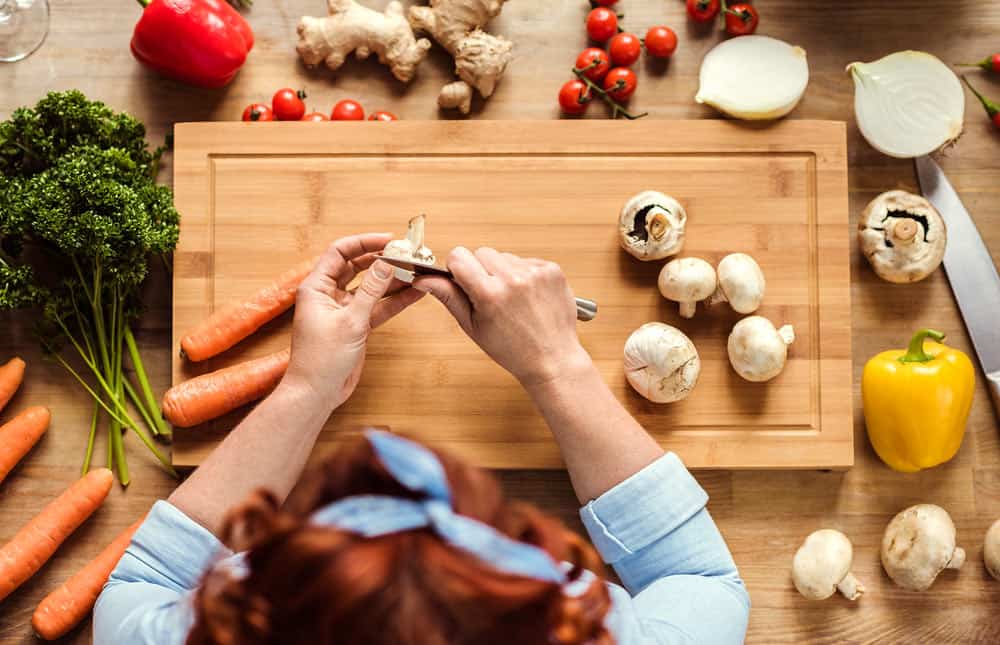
point(902, 236)
point(661, 363)
point(410, 248)
point(757, 351)
point(822, 566)
point(991, 550)
point(687, 281)
point(651, 226)
point(741, 283)
point(918, 544)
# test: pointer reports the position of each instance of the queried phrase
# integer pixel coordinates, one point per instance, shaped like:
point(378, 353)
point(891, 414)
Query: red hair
point(316, 585)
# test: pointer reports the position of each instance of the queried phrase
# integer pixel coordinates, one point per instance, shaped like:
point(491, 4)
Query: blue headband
point(418, 470)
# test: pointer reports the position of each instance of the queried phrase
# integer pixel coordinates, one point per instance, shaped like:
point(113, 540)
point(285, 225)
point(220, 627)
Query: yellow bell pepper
point(916, 402)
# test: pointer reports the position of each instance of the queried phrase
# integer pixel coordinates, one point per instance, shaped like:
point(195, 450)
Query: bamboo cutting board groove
point(256, 198)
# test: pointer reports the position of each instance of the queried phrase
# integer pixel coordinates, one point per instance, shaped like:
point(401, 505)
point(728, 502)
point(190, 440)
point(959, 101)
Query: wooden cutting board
point(256, 198)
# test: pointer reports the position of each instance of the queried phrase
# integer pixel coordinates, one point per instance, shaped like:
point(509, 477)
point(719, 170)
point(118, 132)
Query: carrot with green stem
point(35, 543)
point(19, 435)
point(212, 395)
point(11, 375)
point(65, 607)
point(233, 323)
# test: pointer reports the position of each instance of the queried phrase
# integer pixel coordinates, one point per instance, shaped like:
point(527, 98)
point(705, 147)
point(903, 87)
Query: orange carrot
point(11, 375)
point(211, 395)
point(37, 540)
point(233, 323)
point(18, 435)
point(65, 607)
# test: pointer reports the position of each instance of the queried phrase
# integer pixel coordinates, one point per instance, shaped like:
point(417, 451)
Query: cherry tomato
point(602, 24)
point(661, 42)
point(574, 97)
point(624, 49)
point(348, 110)
point(315, 116)
point(382, 115)
point(703, 10)
point(258, 112)
point(597, 57)
point(620, 83)
point(741, 19)
point(603, 3)
point(287, 104)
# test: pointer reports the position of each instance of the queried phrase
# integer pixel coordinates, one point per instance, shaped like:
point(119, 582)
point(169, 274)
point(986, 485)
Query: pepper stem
point(915, 352)
point(144, 3)
point(991, 107)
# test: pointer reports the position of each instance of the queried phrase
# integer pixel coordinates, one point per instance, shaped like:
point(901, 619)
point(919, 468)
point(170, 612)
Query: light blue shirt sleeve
point(680, 582)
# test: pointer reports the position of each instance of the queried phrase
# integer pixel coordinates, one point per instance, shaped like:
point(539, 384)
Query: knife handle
point(585, 309)
point(993, 385)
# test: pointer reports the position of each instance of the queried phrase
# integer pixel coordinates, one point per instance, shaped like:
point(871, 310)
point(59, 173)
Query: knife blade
point(971, 272)
point(585, 309)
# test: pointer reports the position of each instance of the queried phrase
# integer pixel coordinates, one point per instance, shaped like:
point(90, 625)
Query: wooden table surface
point(764, 516)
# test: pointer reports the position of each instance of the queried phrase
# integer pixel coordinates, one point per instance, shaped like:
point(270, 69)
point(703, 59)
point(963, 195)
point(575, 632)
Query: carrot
point(211, 395)
point(18, 435)
point(233, 323)
point(37, 540)
point(65, 607)
point(11, 375)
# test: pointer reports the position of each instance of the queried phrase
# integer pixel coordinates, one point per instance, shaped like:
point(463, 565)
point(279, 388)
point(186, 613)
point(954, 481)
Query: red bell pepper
point(200, 42)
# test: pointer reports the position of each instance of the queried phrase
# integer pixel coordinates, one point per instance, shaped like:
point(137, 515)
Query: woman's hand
point(520, 311)
point(332, 325)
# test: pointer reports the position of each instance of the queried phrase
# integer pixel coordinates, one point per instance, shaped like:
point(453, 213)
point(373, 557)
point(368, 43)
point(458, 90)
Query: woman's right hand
point(520, 311)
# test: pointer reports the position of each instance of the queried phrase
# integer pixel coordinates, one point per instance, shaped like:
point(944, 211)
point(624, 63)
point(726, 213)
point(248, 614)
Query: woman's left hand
point(332, 325)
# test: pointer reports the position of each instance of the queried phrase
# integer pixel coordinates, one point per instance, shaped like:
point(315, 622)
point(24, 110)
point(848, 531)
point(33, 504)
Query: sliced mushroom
point(687, 281)
point(410, 248)
point(903, 236)
point(741, 283)
point(822, 566)
point(757, 351)
point(918, 544)
point(661, 363)
point(651, 226)
point(991, 550)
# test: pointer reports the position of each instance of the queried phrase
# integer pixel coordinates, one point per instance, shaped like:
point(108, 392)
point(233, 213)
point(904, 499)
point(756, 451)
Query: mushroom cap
point(991, 550)
point(651, 226)
point(757, 351)
point(661, 363)
point(821, 563)
point(903, 236)
point(918, 544)
point(741, 282)
point(687, 280)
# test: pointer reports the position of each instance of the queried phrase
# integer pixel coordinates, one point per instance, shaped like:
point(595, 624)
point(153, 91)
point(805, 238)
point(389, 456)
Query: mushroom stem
point(903, 231)
point(915, 351)
point(850, 587)
point(687, 309)
point(657, 225)
point(957, 559)
point(415, 231)
point(787, 333)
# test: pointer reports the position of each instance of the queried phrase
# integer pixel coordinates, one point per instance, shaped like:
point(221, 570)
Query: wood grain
point(763, 515)
point(258, 199)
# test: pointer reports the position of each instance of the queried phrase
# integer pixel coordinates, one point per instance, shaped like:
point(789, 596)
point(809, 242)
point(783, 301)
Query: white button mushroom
point(741, 283)
point(410, 248)
point(651, 226)
point(991, 550)
point(902, 236)
point(822, 566)
point(757, 351)
point(687, 281)
point(661, 363)
point(918, 544)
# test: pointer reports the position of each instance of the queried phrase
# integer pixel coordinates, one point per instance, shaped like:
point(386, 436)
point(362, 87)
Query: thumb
point(373, 286)
point(450, 295)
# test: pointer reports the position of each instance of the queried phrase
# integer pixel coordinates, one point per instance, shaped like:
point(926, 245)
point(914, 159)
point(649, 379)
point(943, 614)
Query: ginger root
point(352, 27)
point(480, 57)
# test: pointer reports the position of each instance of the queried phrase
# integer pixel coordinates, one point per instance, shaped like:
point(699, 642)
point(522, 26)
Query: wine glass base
point(24, 24)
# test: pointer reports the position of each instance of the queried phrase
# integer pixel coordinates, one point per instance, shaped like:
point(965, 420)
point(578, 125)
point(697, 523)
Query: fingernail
point(381, 269)
point(420, 286)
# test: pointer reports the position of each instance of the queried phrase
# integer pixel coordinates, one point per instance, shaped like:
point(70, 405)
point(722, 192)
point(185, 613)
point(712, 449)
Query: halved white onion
point(908, 103)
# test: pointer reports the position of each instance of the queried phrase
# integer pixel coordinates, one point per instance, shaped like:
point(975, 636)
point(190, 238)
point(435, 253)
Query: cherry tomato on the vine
point(741, 19)
point(602, 24)
point(596, 57)
point(661, 42)
point(314, 116)
point(258, 112)
point(287, 104)
point(620, 83)
point(574, 97)
point(624, 49)
point(703, 10)
point(348, 110)
point(382, 115)
point(603, 3)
